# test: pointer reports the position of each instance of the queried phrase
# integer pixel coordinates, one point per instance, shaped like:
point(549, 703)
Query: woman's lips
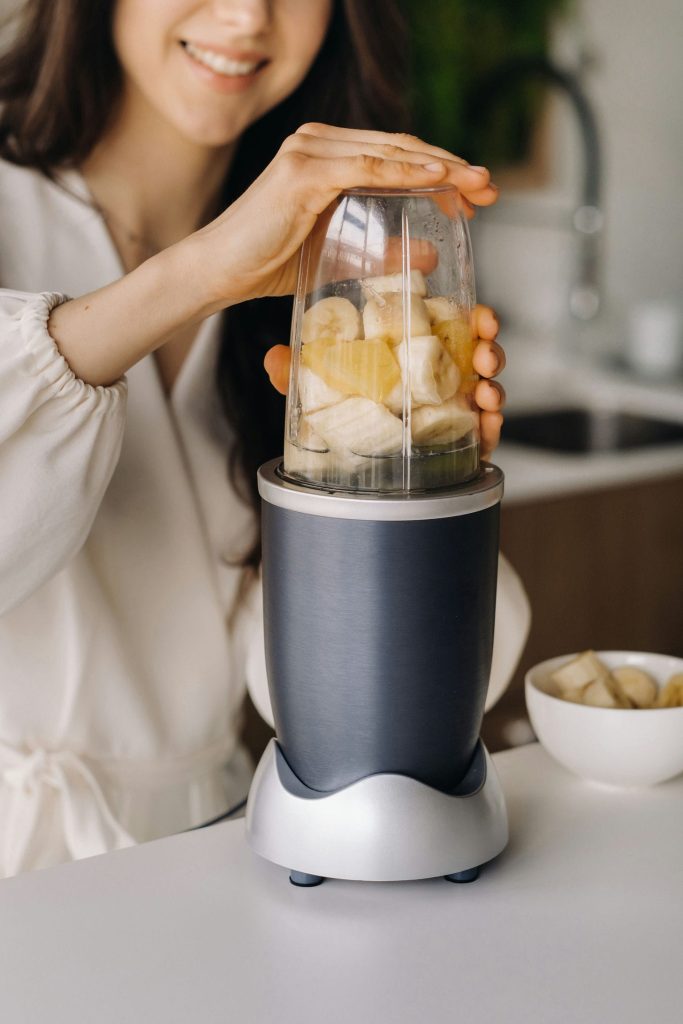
point(224, 70)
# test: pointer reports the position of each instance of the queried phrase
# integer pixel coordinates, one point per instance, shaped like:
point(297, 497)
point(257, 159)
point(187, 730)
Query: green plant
point(457, 45)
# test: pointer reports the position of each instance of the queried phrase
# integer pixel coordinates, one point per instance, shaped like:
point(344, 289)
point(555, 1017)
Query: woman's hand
point(489, 361)
point(251, 250)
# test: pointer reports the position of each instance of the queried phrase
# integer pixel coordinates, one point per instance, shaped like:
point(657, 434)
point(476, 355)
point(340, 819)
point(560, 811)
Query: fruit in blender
point(358, 426)
point(383, 317)
point(440, 424)
point(374, 286)
point(335, 318)
point(360, 367)
point(434, 377)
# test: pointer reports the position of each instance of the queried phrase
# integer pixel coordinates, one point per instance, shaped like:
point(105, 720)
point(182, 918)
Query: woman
point(152, 169)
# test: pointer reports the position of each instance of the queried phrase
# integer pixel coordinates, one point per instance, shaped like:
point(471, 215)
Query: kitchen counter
point(579, 920)
point(533, 383)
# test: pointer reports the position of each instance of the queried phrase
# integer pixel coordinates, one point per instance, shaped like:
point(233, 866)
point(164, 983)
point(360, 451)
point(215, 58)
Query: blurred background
point(576, 107)
point(575, 104)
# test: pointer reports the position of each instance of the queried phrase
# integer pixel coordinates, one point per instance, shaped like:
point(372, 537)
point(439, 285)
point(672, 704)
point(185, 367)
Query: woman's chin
point(210, 132)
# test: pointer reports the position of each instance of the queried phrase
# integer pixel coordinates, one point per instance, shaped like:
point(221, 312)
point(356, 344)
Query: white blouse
point(128, 635)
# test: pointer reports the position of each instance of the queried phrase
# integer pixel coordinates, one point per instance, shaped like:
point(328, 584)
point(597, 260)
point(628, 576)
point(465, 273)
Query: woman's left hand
point(489, 361)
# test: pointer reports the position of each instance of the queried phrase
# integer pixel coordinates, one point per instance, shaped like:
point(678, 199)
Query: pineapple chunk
point(366, 368)
point(456, 336)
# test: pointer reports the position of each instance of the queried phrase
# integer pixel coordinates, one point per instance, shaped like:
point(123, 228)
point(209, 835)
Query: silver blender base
point(383, 828)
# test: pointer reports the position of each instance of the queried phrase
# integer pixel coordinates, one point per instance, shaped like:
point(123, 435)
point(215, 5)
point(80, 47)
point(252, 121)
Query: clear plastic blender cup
point(381, 389)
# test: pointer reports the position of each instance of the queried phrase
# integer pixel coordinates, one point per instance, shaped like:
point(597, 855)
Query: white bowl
point(621, 747)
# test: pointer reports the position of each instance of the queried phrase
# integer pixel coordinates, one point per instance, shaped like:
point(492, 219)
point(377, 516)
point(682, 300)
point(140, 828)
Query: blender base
point(305, 881)
point(382, 828)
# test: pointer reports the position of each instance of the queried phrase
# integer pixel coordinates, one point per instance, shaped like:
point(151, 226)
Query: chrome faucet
point(587, 218)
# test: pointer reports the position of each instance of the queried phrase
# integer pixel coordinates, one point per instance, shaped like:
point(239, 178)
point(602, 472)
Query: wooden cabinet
point(602, 569)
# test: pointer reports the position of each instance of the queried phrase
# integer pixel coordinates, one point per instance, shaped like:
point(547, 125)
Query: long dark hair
point(60, 82)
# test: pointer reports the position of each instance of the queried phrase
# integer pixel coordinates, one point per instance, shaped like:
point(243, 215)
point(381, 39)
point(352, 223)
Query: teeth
point(219, 63)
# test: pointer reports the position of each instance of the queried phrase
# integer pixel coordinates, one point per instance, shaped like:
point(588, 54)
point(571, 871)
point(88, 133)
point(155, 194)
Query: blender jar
point(381, 388)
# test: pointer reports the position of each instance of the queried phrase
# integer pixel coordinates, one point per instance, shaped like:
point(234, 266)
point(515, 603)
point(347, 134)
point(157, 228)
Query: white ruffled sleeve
point(511, 629)
point(512, 622)
point(255, 671)
point(59, 444)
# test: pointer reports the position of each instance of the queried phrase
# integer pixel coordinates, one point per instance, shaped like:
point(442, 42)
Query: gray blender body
point(379, 631)
point(379, 616)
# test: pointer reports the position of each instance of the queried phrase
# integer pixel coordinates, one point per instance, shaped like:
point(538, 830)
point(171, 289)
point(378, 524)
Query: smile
point(221, 64)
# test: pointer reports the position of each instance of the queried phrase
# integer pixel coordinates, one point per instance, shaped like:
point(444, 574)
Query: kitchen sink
point(581, 430)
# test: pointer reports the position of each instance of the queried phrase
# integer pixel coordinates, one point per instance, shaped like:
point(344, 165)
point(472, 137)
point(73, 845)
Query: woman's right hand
point(251, 250)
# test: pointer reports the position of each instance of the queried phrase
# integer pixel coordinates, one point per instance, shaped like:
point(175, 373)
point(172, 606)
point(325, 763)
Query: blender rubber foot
point(470, 875)
point(304, 880)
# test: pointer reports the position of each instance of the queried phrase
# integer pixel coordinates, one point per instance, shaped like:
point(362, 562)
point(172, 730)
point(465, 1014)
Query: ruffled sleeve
point(60, 440)
point(255, 670)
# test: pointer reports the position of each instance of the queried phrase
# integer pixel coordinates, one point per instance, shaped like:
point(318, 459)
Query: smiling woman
point(211, 70)
point(162, 164)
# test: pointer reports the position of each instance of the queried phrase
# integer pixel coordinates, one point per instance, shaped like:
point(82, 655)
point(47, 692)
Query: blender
point(380, 550)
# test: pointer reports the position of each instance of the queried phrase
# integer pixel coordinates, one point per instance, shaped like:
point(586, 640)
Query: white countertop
point(533, 383)
point(578, 921)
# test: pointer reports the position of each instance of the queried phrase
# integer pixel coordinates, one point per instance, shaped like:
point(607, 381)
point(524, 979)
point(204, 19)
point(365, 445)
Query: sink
point(580, 430)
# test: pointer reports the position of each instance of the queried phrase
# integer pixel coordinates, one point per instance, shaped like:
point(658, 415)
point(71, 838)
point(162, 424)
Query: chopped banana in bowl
point(610, 716)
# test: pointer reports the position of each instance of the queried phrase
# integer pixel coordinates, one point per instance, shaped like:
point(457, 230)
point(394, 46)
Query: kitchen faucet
point(587, 218)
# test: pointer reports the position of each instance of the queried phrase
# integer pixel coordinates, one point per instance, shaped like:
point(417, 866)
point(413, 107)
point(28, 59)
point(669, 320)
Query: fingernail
point(435, 166)
point(479, 170)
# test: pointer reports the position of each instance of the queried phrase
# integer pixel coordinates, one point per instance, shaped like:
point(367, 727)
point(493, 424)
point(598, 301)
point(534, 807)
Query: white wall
point(638, 92)
point(633, 74)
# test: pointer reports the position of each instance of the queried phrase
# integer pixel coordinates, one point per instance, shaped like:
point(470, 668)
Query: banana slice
point(671, 695)
point(307, 438)
point(457, 337)
point(574, 696)
point(599, 695)
point(308, 463)
point(580, 671)
point(383, 317)
point(434, 377)
point(358, 367)
point(441, 424)
point(360, 427)
point(677, 680)
point(333, 317)
point(639, 687)
point(314, 392)
point(374, 286)
point(441, 308)
point(586, 669)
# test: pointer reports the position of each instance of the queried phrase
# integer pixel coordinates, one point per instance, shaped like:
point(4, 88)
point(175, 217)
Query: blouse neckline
point(72, 184)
